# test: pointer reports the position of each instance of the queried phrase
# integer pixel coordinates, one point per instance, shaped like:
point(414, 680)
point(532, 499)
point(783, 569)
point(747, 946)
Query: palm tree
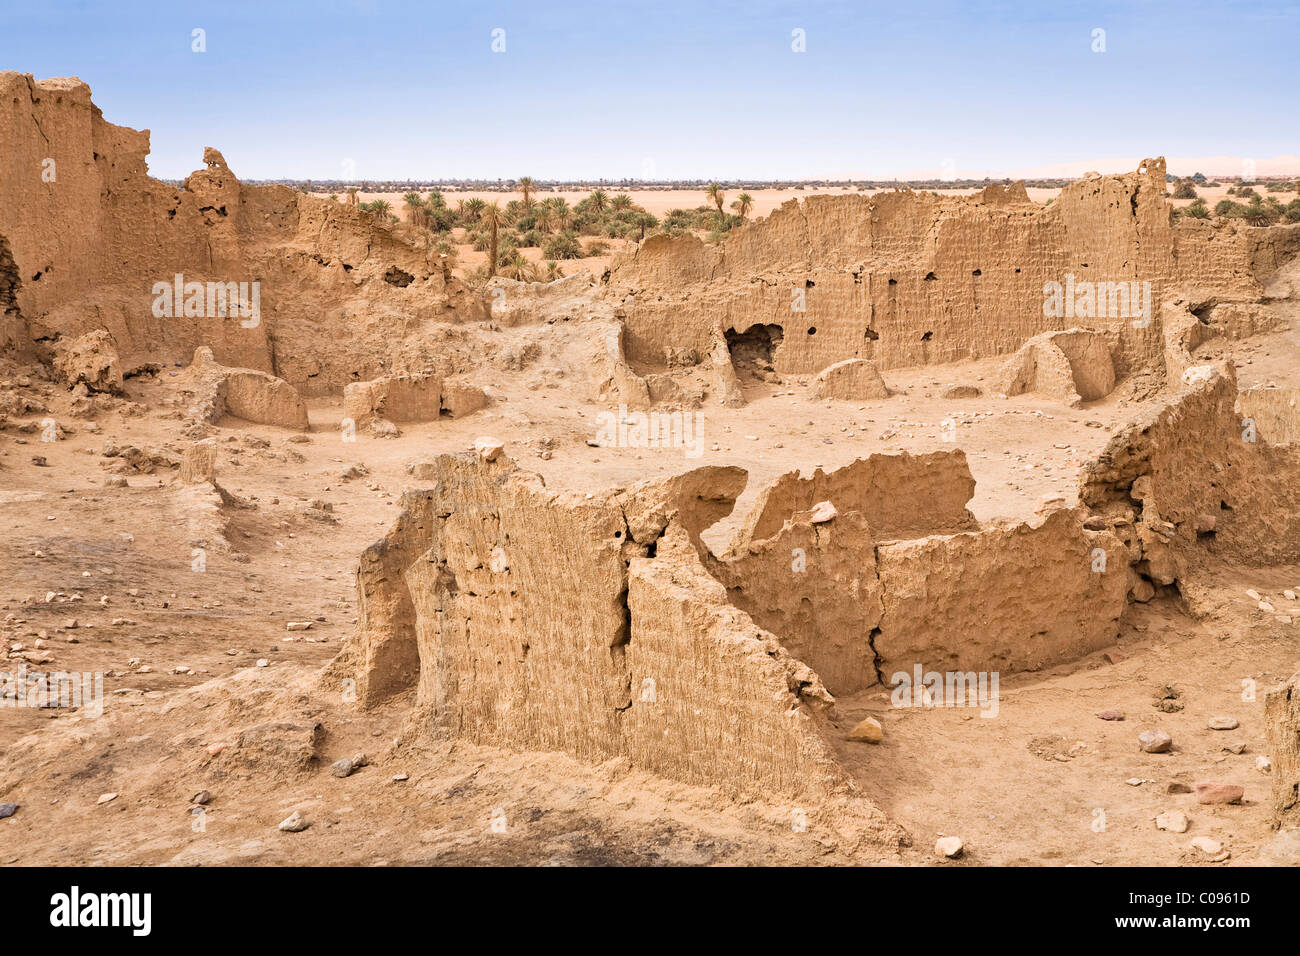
point(553, 270)
point(621, 201)
point(562, 214)
point(599, 200)
point(645, 221)
point(414, 208)
point(743, 204)
point(526, 187)
point(473, 208)
point(352, 195)
point(545, 216)
point(492, 216)
point(435, 200)
point(382, 209)
point(334, 197)
point(716, 196)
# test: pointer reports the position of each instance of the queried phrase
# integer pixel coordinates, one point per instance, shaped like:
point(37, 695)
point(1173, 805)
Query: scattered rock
point(1173, 820)
point(950, 847)
point(869, 730)
point(489, 449)
point(1223, 723)
point(823, 512)
point(8, 810)
point(1210, 793)
point(294, 823)
point(106, 798)
point(1111, 715)
point(1155, 741)
point(1211, 848)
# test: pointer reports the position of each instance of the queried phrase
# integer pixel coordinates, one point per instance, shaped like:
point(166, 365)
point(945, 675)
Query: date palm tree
point(473, 209)
point(526, 187)
point(743, 204)
point(716, 196)
point(414, 208)
point(545, 216)
point(599, 200)
point(562, 215)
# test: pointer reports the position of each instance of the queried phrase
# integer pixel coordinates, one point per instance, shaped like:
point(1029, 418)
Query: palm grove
point(557, 229)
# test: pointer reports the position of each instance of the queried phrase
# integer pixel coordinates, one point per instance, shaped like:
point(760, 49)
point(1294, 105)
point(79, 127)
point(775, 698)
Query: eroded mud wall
point(92, 233)
point(909, 278)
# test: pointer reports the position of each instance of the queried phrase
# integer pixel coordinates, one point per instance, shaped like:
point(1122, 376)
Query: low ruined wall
point(397, 398)
point(411, 398)
point(1002, 598)
point(1201, 485)
point(244, 393)
point(900, 495)
point(816, 586)
point(1073, 366)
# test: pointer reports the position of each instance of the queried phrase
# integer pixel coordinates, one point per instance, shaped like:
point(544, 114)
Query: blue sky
point(673, 89)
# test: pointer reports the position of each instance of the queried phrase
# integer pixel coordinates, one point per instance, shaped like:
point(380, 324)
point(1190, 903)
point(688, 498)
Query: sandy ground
point(101, 579)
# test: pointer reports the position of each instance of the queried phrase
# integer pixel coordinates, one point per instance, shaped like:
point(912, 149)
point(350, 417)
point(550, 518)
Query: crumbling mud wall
point(244, 393)
point(601, 625)
point(411, 398)
point(92, 235)
point(907, 279)
point(899, 495)
point(1006, 599)
point(554, 621)
point(13, 329)
point(1187, 484)
point(814, 583)
point(1074, 366)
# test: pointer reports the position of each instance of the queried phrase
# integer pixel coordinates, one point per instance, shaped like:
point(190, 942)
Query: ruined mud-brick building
point(600, 625)
point(908, 278)
point(86, 233)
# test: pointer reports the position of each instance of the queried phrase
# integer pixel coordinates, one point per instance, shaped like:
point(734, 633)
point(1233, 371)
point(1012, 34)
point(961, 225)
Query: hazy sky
point(673, 89)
